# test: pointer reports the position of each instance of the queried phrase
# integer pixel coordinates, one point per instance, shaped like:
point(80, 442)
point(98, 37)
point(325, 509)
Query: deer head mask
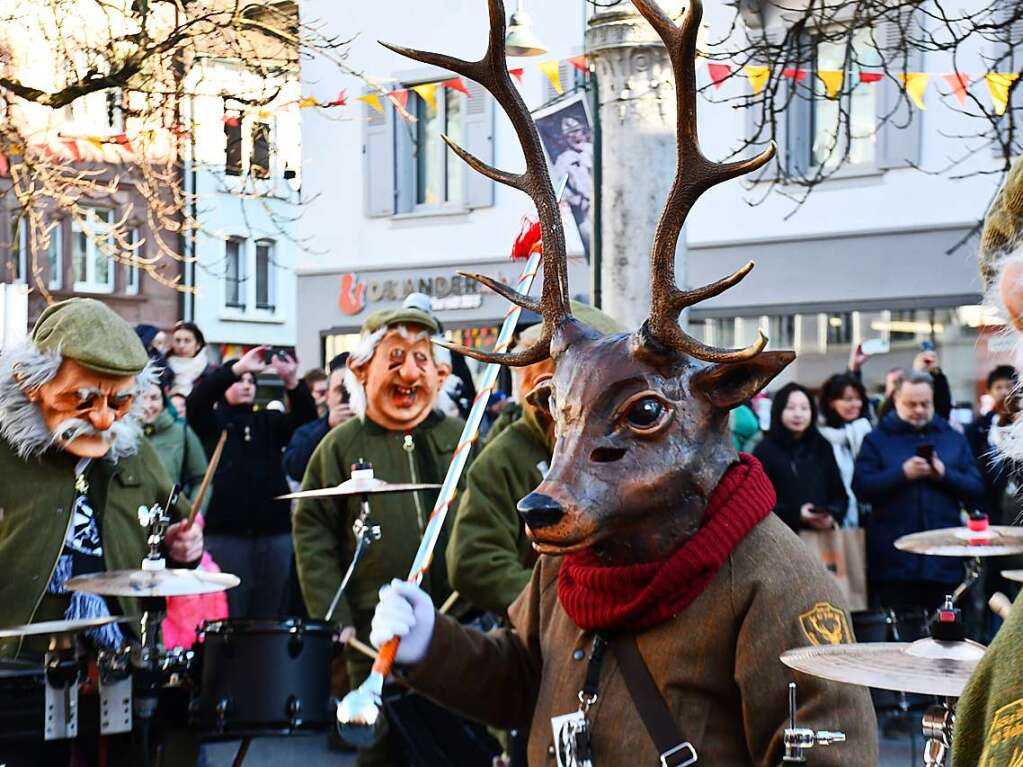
point(641, 418)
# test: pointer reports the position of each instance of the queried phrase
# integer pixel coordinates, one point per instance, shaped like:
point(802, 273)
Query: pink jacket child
point(187, 614)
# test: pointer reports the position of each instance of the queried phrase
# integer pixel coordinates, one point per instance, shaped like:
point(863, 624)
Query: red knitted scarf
point(636, 597)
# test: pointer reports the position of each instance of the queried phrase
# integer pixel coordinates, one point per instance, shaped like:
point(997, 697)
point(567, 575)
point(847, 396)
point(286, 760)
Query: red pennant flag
point(579, 62)
point(871, 77)
point(794, 73)
point(72, 146)
point(399, 97)
point(122, 140)
point(5, 167)
point(959, 83)
point(340, 101)
point(517, 73)
point(230, 122)
point(718, 73)
point(457, 84)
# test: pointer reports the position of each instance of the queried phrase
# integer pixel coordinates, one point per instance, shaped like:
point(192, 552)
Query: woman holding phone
point(801, 464)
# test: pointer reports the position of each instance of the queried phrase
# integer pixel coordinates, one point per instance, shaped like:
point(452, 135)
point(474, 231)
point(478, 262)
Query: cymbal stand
point(938, 723)
point(974, 572)
point(365, 534)
point(799, 739)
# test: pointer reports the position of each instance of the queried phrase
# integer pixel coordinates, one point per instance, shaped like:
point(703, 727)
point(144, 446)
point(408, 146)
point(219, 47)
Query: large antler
point(492, 73)
point(695, 175)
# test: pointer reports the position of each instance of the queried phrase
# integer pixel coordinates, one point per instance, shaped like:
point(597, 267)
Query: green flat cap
point(603, 323)
point(90, 333)
point(403, 315)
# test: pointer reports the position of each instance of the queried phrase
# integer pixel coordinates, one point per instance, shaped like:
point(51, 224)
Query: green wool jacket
point(35, 513)
point(989, 715)
point(181, 453)
point(489, 558)
point(322, 528)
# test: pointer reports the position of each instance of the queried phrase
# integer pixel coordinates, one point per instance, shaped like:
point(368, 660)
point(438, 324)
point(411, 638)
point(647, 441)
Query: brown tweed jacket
point(716, 664)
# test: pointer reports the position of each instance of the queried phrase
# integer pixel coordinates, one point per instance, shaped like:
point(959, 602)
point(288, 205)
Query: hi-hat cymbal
point(1013, 575)
point(49, 628)
point(996, 541)
point(153, 583)
point(371, 486)
point(927, 666)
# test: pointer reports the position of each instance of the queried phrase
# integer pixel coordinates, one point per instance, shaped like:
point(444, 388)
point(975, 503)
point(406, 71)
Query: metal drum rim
point(268, 626)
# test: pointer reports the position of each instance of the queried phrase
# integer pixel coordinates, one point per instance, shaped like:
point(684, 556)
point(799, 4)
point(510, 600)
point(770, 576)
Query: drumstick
point(448, 603)
point(365, 649)
point(207, 478)
point(1000, 605)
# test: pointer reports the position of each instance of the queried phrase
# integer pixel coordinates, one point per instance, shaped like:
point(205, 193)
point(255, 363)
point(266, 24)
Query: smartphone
point(927, 346)
point(925, 451)
point(874, 346)
point(268, 355)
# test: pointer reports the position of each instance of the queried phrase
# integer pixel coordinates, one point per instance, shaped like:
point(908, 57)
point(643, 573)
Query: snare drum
point(265, 677)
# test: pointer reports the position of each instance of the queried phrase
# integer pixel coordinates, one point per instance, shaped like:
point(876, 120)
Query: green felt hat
point(90, 333)
point(403, 315)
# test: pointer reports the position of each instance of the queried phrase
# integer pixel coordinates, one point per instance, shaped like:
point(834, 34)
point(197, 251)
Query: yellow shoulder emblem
point(1004, 747)
point(825, 624)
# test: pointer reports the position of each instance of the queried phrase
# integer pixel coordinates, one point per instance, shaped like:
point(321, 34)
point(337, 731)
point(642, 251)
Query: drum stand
point(974, 572)
point(365, 534)
point(938, 723)
point(799, 739)
point(63, 673)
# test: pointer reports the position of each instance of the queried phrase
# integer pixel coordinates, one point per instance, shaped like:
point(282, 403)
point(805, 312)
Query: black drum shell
point(272, 675)
point(22, 701)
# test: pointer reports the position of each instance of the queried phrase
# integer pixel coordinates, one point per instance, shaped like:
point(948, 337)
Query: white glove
point(404, 611)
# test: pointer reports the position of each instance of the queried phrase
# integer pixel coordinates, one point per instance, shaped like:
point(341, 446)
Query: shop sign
point(447, 292)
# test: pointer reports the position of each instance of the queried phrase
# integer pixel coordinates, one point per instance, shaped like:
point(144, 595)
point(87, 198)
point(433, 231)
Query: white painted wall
point(342, 237)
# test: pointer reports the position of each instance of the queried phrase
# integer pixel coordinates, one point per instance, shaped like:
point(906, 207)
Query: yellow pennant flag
point(999, 84)
point(428, 93)
point(308, 101)
point(916, 85)
point(95, 141)
point(373, 100)
point(758, 76)
point(832, 79)
point(552, 69)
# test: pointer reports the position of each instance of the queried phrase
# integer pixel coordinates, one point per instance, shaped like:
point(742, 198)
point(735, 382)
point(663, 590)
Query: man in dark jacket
point(307, 437)
point(995, 470)
point(247, 531)
point(911, 493)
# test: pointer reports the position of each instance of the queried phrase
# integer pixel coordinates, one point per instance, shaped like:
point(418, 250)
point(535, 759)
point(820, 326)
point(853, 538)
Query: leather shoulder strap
point(674, 749)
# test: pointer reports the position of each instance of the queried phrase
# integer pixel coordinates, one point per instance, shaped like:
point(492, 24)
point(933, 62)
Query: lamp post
point(521, 40)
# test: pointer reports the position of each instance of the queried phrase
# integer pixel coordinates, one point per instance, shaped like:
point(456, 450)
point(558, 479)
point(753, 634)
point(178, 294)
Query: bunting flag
point(916, 85)
point(428, 93)
point(230, 121)
point(373, 100)
point(794, 73)
point(517, 73)
point(758, 76)
point(579, 62)
point(122, 140)
point(5, 166)
point(340, 101)
point(98, 143)
point(552, 69)
point(457, 84)
point(999, 84)
point(870, 77)
point(307, 101)
point(832, 79)
point(958, 83)
point(72, 147)
point(718, 72)
point(399, 97)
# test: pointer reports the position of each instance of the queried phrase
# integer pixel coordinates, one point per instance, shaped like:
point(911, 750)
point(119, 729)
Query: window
point(18, 248)
point(260, 162)
point(840, 328)
point(92, 244)
point(830, 141)
point(131, 268)
point(55, 258)
point(439, 173)
point(265, 275)
point(234, 273)
point(233, 150)
point(781, 331)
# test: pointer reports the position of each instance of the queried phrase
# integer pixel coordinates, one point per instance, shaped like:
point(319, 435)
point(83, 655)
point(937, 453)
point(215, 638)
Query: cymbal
point(153, 583)
point(49, 628)
point(371, 486)
point(1013, 575)
point(996, 541)
point(927, 666)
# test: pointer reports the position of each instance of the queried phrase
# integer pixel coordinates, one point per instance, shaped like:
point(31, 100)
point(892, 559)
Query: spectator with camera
point(247, 531)
point(307, 437)
point(919, 474)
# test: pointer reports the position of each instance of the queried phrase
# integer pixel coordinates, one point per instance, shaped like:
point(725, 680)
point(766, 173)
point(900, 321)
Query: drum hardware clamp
point(799, 739)
point(938, 723)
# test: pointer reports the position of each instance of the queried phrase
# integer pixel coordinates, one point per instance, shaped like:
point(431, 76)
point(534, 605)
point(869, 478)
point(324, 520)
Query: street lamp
point(520, 40)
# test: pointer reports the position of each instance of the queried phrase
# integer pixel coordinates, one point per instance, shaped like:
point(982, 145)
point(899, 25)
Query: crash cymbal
point(1013, 575)
point(49, 628)
point(996, 541)
point(371, 486)
point(153, 583)
point(927, 666)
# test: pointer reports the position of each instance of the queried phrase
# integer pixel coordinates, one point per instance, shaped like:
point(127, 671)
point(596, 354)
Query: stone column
point(637, 120)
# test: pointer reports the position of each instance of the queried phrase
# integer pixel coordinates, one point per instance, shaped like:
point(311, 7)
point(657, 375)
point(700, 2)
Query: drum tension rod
point(798, 739)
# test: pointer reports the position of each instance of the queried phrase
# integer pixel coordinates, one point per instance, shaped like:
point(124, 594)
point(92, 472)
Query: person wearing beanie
point(75, 472)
